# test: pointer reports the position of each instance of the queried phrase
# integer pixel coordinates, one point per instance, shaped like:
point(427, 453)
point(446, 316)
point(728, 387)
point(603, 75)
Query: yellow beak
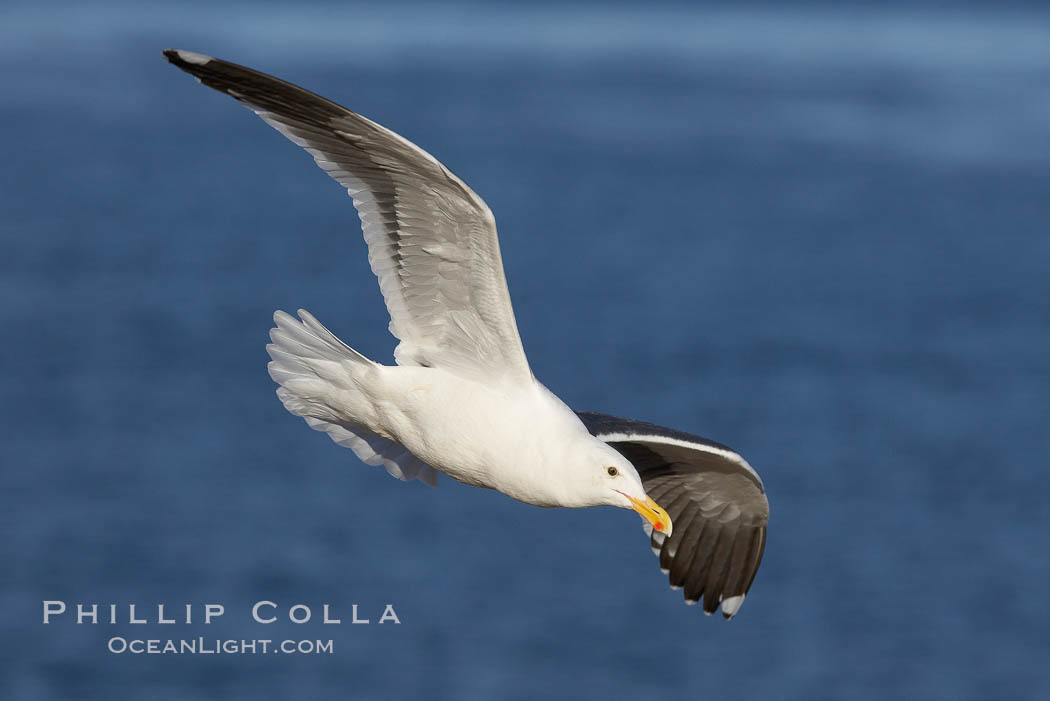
point(653, 513)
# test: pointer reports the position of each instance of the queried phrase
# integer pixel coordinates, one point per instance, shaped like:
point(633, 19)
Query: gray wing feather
point(716, 502)
point(431, 240)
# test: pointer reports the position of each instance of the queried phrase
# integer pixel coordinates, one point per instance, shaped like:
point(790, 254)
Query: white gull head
point(589, 472)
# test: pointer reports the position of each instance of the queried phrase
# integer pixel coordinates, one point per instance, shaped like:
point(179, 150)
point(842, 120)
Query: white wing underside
point(437, 259)
point(432, 241)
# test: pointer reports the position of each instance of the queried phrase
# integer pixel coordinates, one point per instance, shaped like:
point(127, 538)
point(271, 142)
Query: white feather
point(731, 605)
point(311, 364)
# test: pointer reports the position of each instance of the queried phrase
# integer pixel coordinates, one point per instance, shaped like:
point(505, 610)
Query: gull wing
point(431, 240)
point(716, 501)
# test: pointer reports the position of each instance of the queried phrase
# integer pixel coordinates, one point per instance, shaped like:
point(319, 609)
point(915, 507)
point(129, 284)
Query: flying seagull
point(462, 400)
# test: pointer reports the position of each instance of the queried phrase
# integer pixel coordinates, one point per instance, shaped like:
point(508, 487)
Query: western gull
point(462, 389)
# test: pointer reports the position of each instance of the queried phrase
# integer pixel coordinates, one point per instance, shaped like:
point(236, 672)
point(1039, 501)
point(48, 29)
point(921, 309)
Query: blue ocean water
point(818, 235)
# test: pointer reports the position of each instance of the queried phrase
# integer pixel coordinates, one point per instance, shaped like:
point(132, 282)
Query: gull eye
point(613, 471)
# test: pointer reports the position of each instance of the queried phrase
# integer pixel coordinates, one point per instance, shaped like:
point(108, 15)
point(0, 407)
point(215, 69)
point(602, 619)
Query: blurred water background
point(817, 234)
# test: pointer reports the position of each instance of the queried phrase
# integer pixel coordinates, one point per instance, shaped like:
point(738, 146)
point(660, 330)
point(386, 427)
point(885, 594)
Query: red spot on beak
point(659, 525)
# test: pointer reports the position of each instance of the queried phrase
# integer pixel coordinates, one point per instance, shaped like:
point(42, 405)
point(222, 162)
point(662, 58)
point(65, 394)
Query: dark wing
point(716, 501)
point(431, 240)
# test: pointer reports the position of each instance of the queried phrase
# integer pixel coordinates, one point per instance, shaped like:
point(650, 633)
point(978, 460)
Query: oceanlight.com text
point(217, 646)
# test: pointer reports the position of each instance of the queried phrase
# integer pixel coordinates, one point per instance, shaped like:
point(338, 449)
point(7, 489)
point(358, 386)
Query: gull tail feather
point(317, 374)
